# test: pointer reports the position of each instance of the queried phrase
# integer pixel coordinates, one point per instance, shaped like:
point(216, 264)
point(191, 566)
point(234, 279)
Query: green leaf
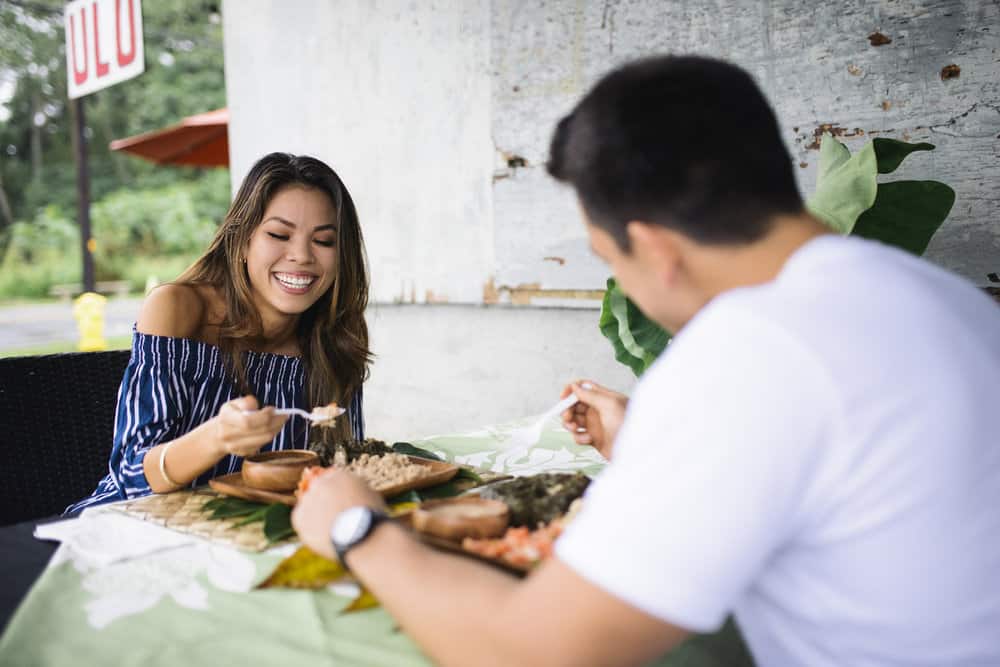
point(609, 327)
point(468, 473)
point(845, 188)
point(213, 503)
point(233, 507)
point(278, 522)
point(832, 155)
point(254, 516)
point(446, 490)
point(413, 450)
point(410, 496)
point(636, 339)
point(891, 152)
point(906, 214)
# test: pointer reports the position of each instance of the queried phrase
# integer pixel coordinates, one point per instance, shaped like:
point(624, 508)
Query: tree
point(184, 75)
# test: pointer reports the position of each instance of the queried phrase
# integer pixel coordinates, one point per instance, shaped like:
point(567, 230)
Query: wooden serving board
point(233, 485)
point(456, 547)
point(438, 472)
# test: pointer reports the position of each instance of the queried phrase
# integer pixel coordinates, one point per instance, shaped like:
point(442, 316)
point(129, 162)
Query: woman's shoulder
point(175, 310)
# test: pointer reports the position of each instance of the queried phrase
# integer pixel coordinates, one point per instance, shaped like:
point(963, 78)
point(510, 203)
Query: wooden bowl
point(277, 471)
point(458, 518)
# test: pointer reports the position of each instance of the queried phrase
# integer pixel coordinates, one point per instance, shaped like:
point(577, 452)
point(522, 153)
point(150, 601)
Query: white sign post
point(103, 44)
point(103, 47)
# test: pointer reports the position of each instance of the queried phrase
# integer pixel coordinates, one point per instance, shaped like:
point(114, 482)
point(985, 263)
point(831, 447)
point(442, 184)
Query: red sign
point(103, 44)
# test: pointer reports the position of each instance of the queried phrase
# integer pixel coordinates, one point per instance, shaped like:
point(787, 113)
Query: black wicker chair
point(56, 427)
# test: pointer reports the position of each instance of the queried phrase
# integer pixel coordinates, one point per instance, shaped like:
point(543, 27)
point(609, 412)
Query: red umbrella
point(201, 140)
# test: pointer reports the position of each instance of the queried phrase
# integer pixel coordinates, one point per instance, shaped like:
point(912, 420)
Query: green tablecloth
point(194, 604)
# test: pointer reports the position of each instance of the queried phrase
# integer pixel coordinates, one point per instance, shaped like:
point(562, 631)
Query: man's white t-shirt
point(821, 456)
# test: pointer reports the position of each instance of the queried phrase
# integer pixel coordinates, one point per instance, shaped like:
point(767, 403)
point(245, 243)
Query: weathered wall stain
point(878, 39)
point(854, 68)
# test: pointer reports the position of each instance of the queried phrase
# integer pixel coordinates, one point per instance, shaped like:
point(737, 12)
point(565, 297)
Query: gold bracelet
point(163, 466)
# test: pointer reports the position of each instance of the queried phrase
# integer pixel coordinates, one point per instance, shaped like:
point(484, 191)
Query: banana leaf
point(278, 522)
point(636, 339)
point(413, 450)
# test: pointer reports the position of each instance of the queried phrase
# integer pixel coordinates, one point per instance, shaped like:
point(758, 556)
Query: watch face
point(350, 526)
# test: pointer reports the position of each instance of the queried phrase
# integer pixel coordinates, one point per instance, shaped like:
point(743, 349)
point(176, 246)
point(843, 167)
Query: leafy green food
point(535, 499)
point(413, 450)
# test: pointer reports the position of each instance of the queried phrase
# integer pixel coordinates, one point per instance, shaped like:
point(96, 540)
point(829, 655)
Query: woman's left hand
point(329, 495)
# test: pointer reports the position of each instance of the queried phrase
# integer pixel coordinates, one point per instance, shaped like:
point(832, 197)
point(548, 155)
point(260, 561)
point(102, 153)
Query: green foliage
point(139, 233)
point(845, 184)
point(906, 214)
point(636, 339)
point(848, 198)
point(184, 75)
point(41, 253)
point(276, 517)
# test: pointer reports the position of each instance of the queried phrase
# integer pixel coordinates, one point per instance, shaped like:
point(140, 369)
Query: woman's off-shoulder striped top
point(172, 385)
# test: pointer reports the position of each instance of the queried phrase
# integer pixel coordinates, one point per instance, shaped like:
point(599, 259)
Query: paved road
point(37, 324)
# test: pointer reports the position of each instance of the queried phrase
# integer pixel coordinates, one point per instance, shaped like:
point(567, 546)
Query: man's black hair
point(689, 143)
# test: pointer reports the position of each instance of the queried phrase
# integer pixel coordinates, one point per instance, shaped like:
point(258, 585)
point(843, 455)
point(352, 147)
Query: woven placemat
point(183, 511)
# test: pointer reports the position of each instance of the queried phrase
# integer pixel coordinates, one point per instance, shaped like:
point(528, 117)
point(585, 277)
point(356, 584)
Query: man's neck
point(717, 269)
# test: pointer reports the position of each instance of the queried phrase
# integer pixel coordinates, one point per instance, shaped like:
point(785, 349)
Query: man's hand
point(596, 418)
point(329, 495)
point(241, 429)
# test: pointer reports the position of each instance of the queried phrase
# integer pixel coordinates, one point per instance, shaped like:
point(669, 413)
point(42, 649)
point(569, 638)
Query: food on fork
point(324, 415)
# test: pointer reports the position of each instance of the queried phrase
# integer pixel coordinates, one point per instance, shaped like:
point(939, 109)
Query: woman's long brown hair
point(332, 333)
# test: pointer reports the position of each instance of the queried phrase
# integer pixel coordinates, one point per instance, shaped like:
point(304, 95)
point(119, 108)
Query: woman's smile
point(294, 283)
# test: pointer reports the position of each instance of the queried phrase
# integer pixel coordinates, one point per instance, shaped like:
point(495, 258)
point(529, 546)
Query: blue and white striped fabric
point(172, 385)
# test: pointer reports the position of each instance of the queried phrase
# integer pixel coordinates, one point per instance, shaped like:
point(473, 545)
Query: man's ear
point(658, 247)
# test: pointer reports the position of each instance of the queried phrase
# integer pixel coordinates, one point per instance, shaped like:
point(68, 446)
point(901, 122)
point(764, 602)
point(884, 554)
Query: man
point(816, 452)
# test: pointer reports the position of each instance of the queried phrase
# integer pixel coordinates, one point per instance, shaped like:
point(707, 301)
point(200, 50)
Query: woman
point(271, 315)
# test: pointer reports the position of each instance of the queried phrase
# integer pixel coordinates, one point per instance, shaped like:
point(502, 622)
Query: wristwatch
point(352, 527)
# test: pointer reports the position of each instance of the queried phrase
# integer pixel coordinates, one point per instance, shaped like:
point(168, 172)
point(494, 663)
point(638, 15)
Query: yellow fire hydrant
point(88, 309)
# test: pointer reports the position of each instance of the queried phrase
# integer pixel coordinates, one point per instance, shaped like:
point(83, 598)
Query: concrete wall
point(438, 116)
point(445, 368)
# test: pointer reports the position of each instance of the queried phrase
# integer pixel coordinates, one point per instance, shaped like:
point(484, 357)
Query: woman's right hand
point(596, 418)
point(241, 429)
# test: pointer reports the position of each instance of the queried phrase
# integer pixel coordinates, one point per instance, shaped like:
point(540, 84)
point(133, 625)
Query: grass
point(114, 343)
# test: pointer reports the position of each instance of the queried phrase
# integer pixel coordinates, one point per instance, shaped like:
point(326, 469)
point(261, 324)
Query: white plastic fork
point(311, 416)
point(520, 440)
